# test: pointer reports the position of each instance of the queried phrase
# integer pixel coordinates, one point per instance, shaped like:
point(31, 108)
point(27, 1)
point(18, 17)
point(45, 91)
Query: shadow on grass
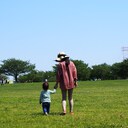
point(50, 114)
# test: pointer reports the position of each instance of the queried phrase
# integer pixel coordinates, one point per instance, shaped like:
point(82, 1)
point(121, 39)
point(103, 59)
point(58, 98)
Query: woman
point(66, 77)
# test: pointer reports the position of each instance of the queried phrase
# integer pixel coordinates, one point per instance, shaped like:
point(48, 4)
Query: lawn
point(97, 104)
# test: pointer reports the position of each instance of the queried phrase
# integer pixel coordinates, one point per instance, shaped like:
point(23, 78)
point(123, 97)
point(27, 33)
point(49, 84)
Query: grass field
point(99, 104)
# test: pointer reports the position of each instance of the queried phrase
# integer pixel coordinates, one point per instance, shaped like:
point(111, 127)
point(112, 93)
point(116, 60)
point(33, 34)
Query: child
point(45, 98)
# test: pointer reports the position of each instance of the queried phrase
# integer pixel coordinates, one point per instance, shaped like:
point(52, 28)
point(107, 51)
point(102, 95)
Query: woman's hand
point(75, 83)
point(56, 86)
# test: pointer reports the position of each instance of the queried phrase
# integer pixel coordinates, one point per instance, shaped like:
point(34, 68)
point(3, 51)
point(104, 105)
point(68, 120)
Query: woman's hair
point(45, 86)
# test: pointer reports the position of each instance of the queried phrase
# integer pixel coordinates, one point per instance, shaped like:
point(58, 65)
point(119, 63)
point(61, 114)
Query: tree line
point(24, 71)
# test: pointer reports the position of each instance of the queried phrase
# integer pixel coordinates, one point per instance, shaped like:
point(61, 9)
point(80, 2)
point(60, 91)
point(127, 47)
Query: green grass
point(99, 104)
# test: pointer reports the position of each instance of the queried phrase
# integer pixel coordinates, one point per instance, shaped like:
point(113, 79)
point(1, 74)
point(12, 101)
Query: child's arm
point(40, 99)
point(54, 91)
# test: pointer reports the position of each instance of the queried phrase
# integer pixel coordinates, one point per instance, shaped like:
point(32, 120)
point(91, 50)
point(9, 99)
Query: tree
point(115, 71)
point(15, 67)
point(124, 69)
point(102, 71)
point(2, 76)
point(33, 76)
point(50, 75)
point(83, 70)
point(120, 70)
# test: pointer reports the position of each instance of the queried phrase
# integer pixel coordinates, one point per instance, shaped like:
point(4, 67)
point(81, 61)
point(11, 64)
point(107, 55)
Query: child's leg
point(64, 92)
point(70, 98)
point(44, 106)
point(48, 107)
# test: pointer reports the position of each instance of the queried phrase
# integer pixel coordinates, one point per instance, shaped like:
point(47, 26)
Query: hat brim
point(61, 54)
point(61, 58)
point(58, 60)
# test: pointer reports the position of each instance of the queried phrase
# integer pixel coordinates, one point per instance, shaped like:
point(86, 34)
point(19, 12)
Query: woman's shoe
point(71, 113)
point(62, 114)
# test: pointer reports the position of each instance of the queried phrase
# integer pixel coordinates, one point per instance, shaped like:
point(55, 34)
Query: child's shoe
point(46, 113)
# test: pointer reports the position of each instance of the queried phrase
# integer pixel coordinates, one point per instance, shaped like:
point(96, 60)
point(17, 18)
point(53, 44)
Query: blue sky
point(90, 30)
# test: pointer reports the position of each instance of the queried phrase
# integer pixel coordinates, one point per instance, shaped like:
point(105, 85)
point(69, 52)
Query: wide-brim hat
point(61, 57)
point(61, 54)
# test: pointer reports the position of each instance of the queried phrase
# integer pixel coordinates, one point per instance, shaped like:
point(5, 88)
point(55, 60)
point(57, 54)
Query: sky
point(93, 31)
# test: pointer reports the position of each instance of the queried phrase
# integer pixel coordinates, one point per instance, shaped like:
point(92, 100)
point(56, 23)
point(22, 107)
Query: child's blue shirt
point(45, 95)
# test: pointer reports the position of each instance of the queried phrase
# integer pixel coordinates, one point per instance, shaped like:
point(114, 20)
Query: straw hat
point(61, 57)
point(61, 54)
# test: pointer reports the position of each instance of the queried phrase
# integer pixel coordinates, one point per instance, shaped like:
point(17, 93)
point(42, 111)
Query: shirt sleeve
point(52, 91)
point(58, 74)
point(74, 71)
